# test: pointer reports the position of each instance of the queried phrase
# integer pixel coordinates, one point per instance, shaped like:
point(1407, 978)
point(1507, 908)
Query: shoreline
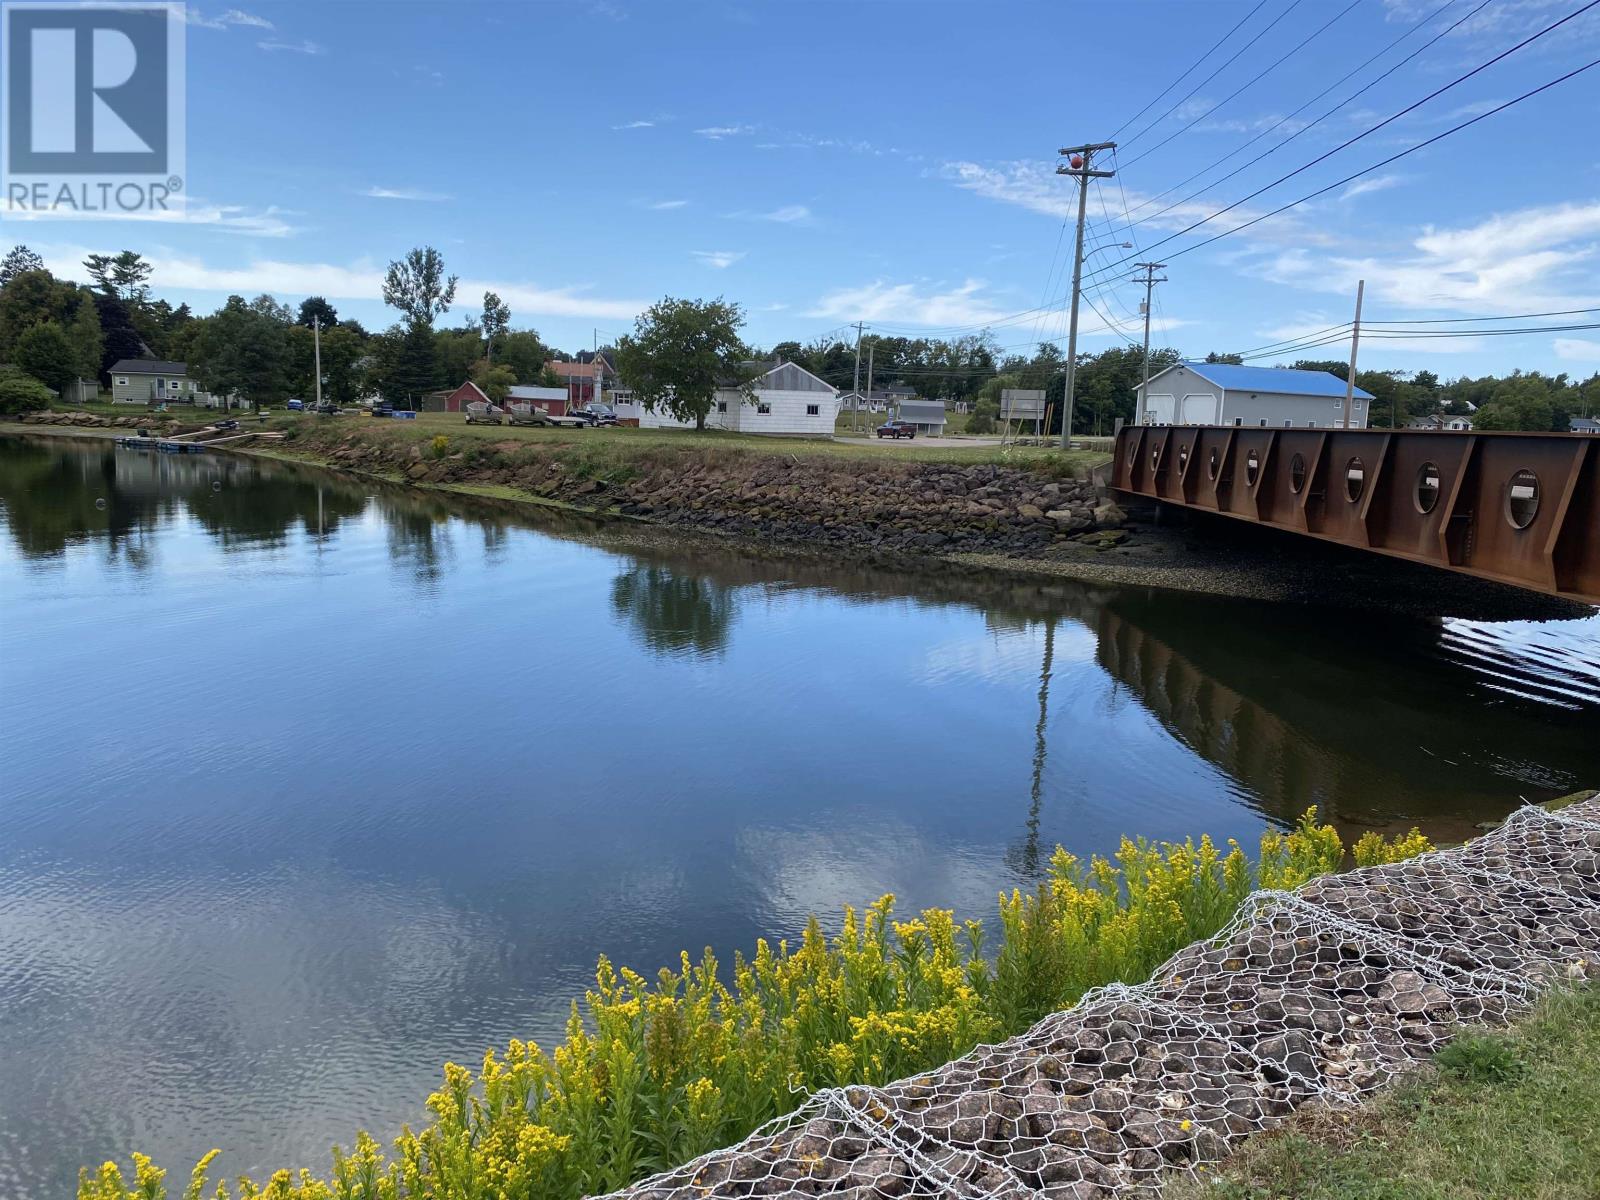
point(1197, 557)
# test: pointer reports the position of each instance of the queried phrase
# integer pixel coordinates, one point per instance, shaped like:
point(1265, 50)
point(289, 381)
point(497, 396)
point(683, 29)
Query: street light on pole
point(1079, 165)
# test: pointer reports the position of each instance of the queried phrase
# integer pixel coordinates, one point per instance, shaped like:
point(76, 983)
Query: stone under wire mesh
point(1323, 994)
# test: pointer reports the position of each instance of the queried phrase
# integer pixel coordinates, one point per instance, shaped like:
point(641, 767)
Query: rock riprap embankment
point(812, 498)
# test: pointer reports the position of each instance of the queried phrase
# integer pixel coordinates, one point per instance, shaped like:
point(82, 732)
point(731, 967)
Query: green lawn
point(623, 442)
point(1507, 1116)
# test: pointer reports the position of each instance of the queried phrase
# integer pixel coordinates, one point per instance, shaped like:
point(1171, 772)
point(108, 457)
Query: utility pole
point(870, 347)
point(855, 388)
point(1355, 341)
point(1149, 281)
point(316, 342)
point(1079, 165)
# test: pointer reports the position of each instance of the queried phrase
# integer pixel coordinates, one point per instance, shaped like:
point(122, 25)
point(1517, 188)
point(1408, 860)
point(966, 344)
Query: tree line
point(54, 332)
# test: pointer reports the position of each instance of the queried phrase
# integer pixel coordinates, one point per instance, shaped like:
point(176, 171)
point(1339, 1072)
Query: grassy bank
point(655, 1071)
point(619, 443)
point(1511, 1114)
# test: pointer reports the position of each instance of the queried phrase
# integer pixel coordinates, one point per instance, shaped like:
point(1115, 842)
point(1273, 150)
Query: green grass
point(1512, 1114)
point(619, 444)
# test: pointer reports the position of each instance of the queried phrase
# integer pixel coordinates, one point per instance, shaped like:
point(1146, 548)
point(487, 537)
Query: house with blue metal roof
point(1202, 393)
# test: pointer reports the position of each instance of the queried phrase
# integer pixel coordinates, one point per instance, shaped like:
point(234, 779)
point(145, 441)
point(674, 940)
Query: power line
point(1247, 85)
point(1268, 29)
point(1215, 47)
point(1313, 123)
point(1024, 314)
point(1385, 162)
point(1560, 312)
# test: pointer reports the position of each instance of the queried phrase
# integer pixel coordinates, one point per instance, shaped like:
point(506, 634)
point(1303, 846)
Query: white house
point(1197, 393)
point(1441, 421)
point(788, 400)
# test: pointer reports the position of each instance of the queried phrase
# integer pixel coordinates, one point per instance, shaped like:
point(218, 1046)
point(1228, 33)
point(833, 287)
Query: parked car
point(328, 408)
point(383, 408)
point(295, 405)
point(596, 414)
point(229, 423)
point(897, 429)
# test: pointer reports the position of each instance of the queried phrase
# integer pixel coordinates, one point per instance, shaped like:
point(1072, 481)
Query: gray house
point(1583, 425)
point(1197, 393)
point(154, 381)
point(926, 415)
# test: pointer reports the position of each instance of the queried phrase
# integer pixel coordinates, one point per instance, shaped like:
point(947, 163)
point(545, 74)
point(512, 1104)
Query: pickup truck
point(897, 429)
point(595, 414)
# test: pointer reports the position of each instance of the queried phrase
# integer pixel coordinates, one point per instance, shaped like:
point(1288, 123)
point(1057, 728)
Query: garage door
point(1200, 410)
point(1160, 410)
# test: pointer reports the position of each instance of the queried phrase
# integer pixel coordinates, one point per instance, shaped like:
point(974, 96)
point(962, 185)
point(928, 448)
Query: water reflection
point(312, 783)
point(674, 613)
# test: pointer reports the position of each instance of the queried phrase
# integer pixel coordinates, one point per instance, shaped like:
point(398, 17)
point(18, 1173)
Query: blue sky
point(884, 161)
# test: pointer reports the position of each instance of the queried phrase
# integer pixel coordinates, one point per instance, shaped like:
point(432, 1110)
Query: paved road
point(924, 443)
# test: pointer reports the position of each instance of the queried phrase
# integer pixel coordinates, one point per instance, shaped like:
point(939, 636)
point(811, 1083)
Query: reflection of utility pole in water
point(1028, 861)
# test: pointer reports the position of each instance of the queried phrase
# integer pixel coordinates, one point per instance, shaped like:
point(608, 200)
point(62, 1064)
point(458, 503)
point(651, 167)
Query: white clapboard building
point(788, 400)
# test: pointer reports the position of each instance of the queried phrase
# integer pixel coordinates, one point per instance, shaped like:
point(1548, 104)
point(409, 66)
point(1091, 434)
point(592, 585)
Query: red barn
point(464, 395)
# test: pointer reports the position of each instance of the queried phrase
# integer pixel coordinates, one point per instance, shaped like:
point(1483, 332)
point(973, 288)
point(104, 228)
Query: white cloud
point(717, 132)
point(361, 279)
point(233, 17)
point(304, 46)
point(910, 304)
point(1378, 183)
point(665, 205)
point(188, 210)
point(1199, 106)
point(635, 125)
point(1577, 350)
point(1524, 261)
point(720, 259)
point(1036, 187)
point(404, 193)
point(789, 214)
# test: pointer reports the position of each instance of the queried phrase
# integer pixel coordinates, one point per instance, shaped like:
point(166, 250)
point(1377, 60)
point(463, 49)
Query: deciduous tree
point(44, 352)
point(418, 287)
point(496, 319)
point(314, 309)
point(681, 352)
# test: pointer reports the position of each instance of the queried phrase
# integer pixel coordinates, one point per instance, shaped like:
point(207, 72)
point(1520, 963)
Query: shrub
point(21, 393)
point(440, 445)
point(652, 1074)
point(983, 417)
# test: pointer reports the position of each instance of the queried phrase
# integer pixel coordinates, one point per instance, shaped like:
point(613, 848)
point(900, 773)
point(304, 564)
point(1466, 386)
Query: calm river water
point(307, 786)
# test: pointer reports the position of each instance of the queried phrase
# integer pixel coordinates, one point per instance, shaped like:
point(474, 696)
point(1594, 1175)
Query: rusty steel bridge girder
point(1518, 508)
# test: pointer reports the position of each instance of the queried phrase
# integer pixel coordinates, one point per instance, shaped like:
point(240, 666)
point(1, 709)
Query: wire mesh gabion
point(1323, 994)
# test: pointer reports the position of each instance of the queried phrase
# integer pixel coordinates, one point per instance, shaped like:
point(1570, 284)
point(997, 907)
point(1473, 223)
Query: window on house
point(1311, 424)
point(1238, 420)
point(763, 407)
point(1288, 424)
point(813, 410)
point(722, 406)
point(1263, 422)
point(1337, 403)
point(122, 381)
